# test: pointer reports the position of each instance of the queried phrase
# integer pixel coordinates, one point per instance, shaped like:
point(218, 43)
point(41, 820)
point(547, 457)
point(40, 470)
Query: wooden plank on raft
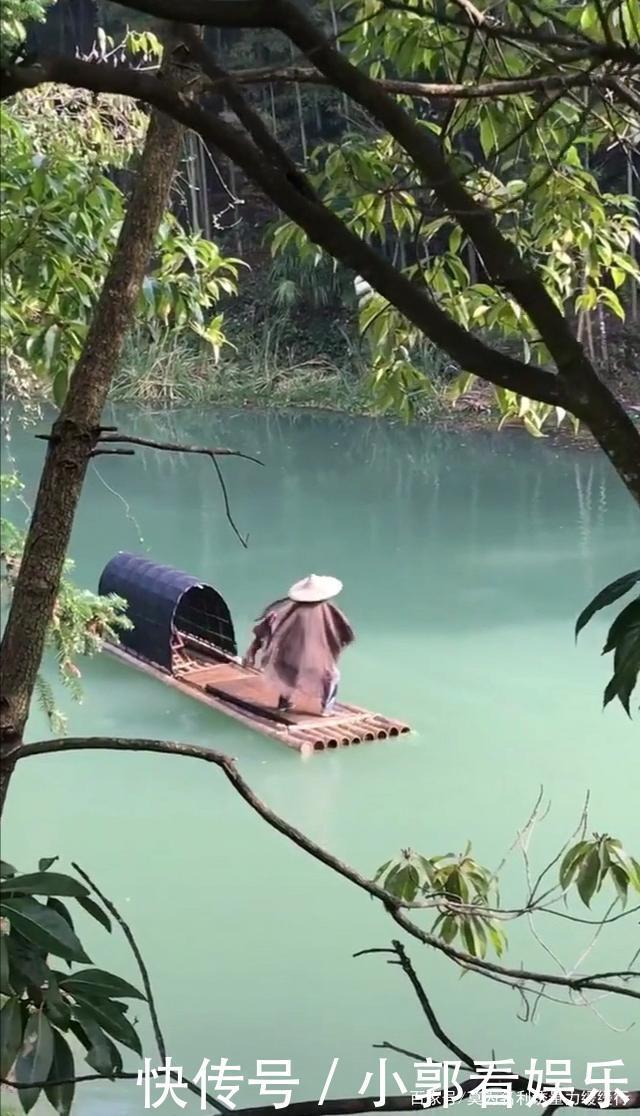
point(244, 695)
point(251, 707)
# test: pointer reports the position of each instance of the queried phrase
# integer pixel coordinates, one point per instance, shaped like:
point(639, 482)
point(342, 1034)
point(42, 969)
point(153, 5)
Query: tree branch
point(587, 397)
point(500, 256)
point(425, 1004)
point(424, 90)
point(578, 46)
point(144, 972)
point(179, 447)
point(321, 225)
point(392, 905)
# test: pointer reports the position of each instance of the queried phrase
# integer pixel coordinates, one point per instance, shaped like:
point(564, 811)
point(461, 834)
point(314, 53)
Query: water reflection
point(465, 560)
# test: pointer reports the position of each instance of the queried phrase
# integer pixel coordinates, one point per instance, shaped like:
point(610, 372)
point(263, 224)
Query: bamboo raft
point(183, 635)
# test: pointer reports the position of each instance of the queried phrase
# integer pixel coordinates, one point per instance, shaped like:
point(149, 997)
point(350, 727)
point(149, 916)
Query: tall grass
point(177, 371)
point(265, 370)
point(168, 372)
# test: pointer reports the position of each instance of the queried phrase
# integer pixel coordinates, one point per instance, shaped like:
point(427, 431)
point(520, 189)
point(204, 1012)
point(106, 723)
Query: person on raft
point(298, 640)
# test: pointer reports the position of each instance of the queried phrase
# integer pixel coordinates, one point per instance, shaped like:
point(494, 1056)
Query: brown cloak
point(301, 643)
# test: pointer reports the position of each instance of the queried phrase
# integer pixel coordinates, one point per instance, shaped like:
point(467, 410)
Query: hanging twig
point(425, 1004)
point(108, 435)
point(225, 496)
point(144, 974)
point(204, 451)
point(146, 983)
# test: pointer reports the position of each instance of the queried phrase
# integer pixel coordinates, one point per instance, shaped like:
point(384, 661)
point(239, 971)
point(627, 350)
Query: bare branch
point(179, 447)
point(425, 1004)
point(421, 90)
point(175, 447)
point(144, 973)
point(112, 453)
point(391, 904)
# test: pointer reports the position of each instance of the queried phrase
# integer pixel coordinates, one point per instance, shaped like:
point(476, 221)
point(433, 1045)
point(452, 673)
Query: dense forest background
point(289, 310)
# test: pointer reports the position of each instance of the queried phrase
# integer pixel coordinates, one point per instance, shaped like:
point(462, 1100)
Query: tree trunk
point(301, 127)
point(74, 436)
point(614, 430)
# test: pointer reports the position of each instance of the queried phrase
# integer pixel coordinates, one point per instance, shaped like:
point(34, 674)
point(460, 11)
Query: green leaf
point(455, 240)
point(487, 135)
point(480, 935)
point(607, 596)
point(96, 912)
point(92, 1038)
point(56, 905)
point(630, 867)
point(110, 1019)
point(621, 881)
point(5, 983)
point(449, 929)
point(60, 386)
point(102, 1055)
point(469, 937)
point(45, 928)
point(497, 938)
point(589, 876)
point(46, 863)
point(28, 964)
point(456, 885)
point(627, 622)
point(97, 983)
point(626, 668)
point(571, 862)
point(60, 1097)
point(10, 1034)
point(532, 429)
point(57, 1010)
point(34, 1060)
point(112, 1056)
point(43, 883)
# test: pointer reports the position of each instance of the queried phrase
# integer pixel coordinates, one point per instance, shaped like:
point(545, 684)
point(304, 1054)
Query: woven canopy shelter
point(162, 600)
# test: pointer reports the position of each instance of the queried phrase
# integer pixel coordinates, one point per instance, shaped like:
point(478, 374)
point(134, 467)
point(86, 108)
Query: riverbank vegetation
point(289, 327)
point(454, 250)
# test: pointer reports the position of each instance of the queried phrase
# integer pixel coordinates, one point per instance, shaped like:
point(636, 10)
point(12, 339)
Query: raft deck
point(182, 633)
point(243, 694)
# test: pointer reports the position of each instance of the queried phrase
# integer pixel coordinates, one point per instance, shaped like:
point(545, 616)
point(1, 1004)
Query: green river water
point(465, 559)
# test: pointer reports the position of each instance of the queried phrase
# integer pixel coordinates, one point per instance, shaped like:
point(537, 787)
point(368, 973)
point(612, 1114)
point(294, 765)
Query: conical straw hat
point(315, 588)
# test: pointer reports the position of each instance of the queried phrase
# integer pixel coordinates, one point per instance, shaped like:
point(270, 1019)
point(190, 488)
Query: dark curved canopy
point(161, 599)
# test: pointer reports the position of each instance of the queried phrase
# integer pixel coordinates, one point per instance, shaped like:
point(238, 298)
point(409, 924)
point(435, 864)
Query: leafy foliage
point(466, 897)
point(13, 16)
point(62, 212)
point(531, 160)
point(81, 620)
point(623, 638)
point(42, 1004)
point(460, 882)
point(589, 863)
